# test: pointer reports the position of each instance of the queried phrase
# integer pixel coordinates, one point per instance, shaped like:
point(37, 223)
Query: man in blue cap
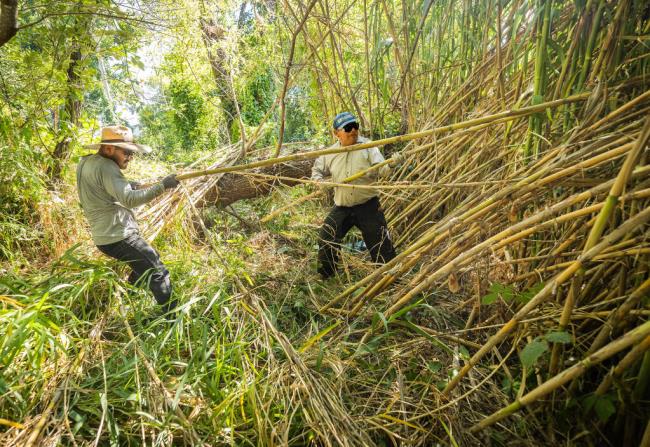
point(352, 206)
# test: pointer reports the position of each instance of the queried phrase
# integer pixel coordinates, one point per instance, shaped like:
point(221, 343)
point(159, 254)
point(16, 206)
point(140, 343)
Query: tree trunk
point(8, 20)
point(234, 187)
point(61, 152)
point(212, 34)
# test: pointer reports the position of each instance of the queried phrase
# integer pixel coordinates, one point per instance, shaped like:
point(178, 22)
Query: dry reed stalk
point(505, 116)
point(612, 324)
point(329, 418)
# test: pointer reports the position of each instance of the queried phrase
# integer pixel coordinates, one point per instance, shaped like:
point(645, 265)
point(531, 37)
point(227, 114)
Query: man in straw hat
point(107, 199)
point(352, 206)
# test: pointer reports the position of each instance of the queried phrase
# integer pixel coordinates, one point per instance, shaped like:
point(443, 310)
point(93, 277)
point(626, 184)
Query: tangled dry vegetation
point(515, 312)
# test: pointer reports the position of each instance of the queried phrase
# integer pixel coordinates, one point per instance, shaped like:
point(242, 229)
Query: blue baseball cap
point(342, 119)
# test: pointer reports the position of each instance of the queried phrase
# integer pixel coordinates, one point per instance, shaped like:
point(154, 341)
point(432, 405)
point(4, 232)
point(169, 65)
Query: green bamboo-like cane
point(575, 40)
point(632, 337)
point(627, 361)
point(621, 111)
point(534, 122)
point(600, 257)
point(595, 29)
point(617, 188)
point(406, 259)
point(497, 117)
point(616, 317)
point(525, 185)
point(597, 231)
point(536, 180)
point(549, 289)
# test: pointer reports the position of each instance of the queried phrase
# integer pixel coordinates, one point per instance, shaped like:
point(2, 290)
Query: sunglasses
point(350, 126)
point(127, 152)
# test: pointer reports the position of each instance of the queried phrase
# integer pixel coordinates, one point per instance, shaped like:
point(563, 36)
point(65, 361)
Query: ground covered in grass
point(249, 359)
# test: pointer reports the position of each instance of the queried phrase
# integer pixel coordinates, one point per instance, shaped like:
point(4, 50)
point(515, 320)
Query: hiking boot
point(325, 274)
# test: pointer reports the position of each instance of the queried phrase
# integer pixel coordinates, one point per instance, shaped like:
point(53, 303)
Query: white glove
point(321, 188)
point(384, 172)
point(396, 158)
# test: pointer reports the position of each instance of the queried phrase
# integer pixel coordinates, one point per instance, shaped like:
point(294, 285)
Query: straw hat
point(120, 136)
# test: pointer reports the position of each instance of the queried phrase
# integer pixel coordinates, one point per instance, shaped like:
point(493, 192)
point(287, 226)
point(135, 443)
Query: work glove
point(321, 188)
point(170, 181)
point(396, 159)
point(384, 172)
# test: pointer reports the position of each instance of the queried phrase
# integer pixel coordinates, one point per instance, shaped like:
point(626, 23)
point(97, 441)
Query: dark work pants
point(368, 218)
point(146, 265)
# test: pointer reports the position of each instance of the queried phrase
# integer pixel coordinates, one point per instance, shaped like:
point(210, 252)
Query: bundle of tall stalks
point(156, 215)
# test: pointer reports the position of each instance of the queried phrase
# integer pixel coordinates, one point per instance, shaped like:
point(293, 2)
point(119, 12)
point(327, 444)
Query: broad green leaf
point(405, 310)
point(371, 346)
point(497, 290)
point(379, 316)
point(489, 298)
point(589, 401)
point(496, 287)
point(527, 295)
point(434, 366)
point(558, 337)
point(506, 292)
point(604, 408)
point(532, 352)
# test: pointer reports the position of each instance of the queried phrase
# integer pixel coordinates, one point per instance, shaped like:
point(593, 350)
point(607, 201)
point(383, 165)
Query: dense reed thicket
point(516, 309)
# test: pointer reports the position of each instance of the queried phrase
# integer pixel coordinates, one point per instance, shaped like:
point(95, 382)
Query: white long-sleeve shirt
point(345, 164)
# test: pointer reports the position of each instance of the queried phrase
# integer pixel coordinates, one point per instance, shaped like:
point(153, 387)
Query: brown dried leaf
point(512, 214)
point(452, 283)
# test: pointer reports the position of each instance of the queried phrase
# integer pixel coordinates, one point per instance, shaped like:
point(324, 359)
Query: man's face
point(119, 155)
point(348, 135)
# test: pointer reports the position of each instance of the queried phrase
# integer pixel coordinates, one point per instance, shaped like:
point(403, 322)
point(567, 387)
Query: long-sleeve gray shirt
point(107, 198)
